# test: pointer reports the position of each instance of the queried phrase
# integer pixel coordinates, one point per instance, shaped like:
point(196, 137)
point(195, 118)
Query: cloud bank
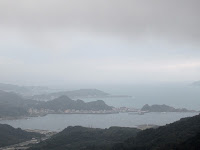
point(99, 40)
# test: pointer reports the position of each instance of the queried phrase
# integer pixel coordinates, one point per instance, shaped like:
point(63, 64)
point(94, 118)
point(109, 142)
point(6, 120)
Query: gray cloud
point(50, 40)
point(174, 20)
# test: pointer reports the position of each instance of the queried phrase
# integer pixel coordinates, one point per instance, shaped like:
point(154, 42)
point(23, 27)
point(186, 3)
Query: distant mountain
point(10, 135)
point(14, 106)
point(24, 90)
point(42, 93)
point(180, 135)
point(65, 103)
point(163, 108)
point(81, 138)
point(82, 93)
point(196, 83)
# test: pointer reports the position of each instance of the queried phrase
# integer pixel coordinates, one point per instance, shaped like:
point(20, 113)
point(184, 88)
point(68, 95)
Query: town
point(42, 112)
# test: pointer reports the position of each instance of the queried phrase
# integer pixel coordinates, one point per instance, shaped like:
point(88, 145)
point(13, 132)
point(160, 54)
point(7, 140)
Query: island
point(76, 94)
point(163, 108)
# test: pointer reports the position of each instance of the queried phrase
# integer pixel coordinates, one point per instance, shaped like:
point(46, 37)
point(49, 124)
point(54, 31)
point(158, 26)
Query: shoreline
point(87, 113)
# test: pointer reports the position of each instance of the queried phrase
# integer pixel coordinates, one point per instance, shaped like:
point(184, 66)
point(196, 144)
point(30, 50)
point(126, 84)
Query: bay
point(57, 122)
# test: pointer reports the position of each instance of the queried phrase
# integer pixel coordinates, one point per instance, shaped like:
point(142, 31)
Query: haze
point(97, 42)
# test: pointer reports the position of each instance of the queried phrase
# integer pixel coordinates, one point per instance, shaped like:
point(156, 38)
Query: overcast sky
point(99, 41)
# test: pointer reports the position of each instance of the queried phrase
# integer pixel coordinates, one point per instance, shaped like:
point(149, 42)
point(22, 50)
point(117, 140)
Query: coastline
point(86, 113)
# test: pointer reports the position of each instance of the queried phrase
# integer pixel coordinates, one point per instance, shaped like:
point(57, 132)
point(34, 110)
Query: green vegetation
point(13, 105)
point(172, 136)
point(10, 135)
point(190, 144)
point(80, 138)
point(64, 103)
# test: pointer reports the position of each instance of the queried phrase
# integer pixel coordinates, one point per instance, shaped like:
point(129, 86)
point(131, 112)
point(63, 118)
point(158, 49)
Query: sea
point(175, 95)
point(58, 122)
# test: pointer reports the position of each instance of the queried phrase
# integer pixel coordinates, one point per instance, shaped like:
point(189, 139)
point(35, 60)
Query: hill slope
point(64, 103)
point(13, 105)
point(10, 135)
point(80, 138)
point(166, 137)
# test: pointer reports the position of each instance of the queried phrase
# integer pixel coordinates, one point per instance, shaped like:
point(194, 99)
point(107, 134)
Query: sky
point(99, 41)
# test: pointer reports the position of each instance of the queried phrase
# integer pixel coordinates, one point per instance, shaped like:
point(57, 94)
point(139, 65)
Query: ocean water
point(181, 95)
point(57, 122)
point(176, 95)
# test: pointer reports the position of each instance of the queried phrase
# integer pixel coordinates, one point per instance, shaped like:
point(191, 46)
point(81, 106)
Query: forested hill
point(190, 144)
point(12, 105)
point(79, 138)
point(64, 103)
point(10, 135)
point(171, 136)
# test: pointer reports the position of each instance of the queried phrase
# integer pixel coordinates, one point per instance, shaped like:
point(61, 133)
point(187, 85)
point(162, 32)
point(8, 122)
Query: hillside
point(79, 138)
point(13, 106)
point(10, 135)
point(190, 144)
point(65, 103)
point(172, 136)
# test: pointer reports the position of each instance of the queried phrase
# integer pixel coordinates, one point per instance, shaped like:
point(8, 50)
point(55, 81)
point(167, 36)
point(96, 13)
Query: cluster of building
point(125, 109)
point(73, 111)
point(42, 112)
point(39, 112)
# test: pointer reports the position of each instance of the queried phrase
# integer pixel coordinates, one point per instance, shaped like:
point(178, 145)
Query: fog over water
point(179, 95)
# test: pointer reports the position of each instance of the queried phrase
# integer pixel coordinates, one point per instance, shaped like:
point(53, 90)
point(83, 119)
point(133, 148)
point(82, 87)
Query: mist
point(99, 42)
point(99, 74)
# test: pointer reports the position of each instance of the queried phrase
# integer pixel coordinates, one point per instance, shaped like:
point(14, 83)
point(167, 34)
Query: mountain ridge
point(13, 106)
